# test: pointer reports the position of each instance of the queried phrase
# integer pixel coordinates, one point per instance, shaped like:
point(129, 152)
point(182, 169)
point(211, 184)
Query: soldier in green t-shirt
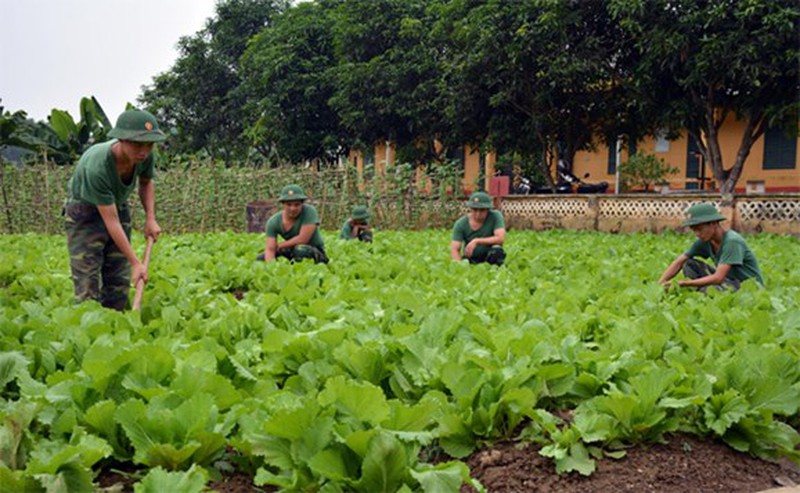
point(298, 225)
point(734, 260)
point(98, 221)
point(481, 232)
point(356, 225)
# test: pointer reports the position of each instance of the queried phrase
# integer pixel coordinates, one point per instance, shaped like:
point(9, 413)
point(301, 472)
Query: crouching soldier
point(298, 225)
point(481, 232)
point(356, 226)
point(734, 260)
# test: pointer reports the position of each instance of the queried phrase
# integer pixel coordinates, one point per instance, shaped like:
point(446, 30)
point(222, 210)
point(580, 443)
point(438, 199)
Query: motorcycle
point(567, 183)
point(578, 184)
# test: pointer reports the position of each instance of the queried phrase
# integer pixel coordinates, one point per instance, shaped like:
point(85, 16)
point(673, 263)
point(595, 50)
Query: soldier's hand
point(151, 228)
point(470, 248)
point(139, 272)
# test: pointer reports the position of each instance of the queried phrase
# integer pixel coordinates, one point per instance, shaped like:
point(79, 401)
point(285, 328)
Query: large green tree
point(389, 74)
point(201, 97)
point(538, 78)
point(702, 61)
point(289, 82)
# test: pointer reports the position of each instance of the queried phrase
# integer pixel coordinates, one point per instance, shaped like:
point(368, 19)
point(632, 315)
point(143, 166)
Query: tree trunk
point(548, 155)
point(727, 178)
point(756, 125)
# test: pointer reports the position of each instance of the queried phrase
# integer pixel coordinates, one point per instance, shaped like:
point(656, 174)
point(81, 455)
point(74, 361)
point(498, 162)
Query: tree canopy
point(704, 61)
point(308, 81)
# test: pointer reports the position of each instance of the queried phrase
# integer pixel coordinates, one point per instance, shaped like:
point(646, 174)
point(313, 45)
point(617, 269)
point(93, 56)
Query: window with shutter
point(692, 159)
point(612, 160)
point(780, 150)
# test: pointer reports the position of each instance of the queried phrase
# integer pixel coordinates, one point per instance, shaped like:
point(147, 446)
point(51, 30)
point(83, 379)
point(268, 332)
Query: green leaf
point(70, 477)
point(83, 449)
point(723, 410)
point(576, 460)
point(454, 437)
point(17, 418)
point(293, 423)
point(64, 126)
point(385, 466)
point(18, 481)
point(12, 364)
point(264, 477)
point(330, 463)
point(364, 401)
point(446, 476)
point(158, 480)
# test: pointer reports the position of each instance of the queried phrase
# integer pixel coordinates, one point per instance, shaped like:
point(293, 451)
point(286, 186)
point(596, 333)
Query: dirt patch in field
point(685, 464)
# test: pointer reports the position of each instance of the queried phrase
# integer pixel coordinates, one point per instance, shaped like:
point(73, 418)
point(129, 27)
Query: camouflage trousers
point(365, 235)
point(493, 256)
point(695, 269)
point(301, 252)
point(100, 271)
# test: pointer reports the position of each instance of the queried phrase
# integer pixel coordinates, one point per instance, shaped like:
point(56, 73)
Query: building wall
point(596, 163)
point(774, 180)
point(473, 164)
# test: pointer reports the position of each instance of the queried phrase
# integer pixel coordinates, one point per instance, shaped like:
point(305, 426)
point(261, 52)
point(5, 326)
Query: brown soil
point(686, 464)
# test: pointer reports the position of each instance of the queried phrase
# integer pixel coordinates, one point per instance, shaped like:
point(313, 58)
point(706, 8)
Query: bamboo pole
point(48, 219)
point(137, 299)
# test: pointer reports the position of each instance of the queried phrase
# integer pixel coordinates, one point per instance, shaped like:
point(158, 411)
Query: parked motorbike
point(578, 184)
point(567, 183)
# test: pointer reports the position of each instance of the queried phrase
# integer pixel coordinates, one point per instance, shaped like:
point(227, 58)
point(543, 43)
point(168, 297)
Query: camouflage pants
point(493, 256)
point(695, 269)
point(365, 235)
point(301, 252)
point(100, 271)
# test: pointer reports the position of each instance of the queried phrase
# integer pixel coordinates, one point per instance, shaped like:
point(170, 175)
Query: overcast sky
point(54, 52)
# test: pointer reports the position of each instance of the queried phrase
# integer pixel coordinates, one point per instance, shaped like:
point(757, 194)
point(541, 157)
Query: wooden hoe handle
point(137, 299)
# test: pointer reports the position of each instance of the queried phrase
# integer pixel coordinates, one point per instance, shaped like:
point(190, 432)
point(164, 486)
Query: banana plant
point(16, 130)
point(67, 139)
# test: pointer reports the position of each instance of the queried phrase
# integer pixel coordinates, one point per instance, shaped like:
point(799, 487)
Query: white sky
point(54, 52)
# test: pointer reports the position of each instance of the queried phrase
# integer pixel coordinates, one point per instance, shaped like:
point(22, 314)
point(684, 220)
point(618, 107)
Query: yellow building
point(771, 166)
point(477, 166)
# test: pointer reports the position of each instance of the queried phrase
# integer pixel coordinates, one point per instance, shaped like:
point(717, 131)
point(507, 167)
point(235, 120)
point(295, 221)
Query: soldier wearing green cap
point(734, 260)
point(481, 232)
point(97, 217)
point(356, 225)
point(298, 225)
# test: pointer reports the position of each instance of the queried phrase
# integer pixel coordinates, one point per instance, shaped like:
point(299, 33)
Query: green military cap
point(702, 213)
point(137, 126)
point(479, 200)
point(360, 212)
point(292, 192)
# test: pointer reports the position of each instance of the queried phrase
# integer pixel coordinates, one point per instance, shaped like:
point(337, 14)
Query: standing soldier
point(481, 232)
point(97, 216)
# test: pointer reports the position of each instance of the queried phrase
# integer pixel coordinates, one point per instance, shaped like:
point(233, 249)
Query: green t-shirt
point(347, 230)
point(307, 216)
point(464, 233)
point(734, 252)
point(96, 181)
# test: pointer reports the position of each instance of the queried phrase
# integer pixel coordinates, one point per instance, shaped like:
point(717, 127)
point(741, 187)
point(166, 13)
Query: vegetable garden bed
point(391, 367)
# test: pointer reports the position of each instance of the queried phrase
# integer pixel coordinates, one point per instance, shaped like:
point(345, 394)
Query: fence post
point(594, 207)
point(727, 208)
